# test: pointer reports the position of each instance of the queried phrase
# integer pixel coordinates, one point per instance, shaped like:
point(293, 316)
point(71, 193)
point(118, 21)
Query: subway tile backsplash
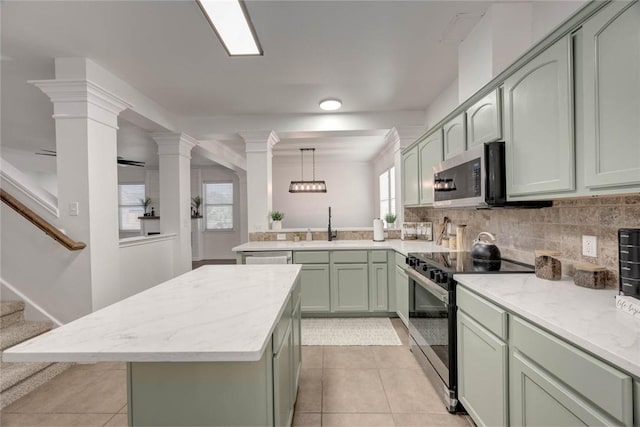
point(519, 232)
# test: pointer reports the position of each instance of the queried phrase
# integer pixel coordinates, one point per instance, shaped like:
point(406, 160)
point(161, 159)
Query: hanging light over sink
point(303, 186)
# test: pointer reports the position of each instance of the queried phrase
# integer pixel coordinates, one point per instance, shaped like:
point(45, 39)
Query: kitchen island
point(219, 345)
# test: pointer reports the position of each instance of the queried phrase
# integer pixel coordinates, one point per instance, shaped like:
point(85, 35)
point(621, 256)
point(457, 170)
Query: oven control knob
point(425, 267)
point(445, 277)
point(438, 276)
point(432, 274)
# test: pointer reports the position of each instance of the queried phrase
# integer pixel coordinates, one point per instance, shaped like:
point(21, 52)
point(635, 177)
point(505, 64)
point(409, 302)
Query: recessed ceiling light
point(230, 20)
point(330, 104)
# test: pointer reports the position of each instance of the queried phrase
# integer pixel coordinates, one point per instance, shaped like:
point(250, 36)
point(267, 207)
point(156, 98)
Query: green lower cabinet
point(378, 287)
point(402, 295)
point(297, 347)
point(482, 373)
point(539, 399)
point(314, 279)
point(349, 287)
point(283, 378)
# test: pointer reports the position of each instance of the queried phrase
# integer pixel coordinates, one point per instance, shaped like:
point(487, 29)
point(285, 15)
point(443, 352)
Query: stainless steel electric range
point(432, 312)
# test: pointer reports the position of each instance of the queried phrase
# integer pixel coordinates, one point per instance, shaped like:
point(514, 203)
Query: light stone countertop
point(585, 317)
point(214, 313)
point(401, 246)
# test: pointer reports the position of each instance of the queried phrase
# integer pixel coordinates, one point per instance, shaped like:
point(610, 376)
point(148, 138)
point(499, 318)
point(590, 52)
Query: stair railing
point(42, 224)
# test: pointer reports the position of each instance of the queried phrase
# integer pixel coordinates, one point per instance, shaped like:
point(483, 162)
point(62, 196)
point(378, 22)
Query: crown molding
point(77, 98)
point(260, 141)
point(174, 144)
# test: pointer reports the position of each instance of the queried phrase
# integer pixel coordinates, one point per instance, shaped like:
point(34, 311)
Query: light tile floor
point(339, 386)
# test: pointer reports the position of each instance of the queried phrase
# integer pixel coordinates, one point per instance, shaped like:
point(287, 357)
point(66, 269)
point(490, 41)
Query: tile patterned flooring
point(339, 386)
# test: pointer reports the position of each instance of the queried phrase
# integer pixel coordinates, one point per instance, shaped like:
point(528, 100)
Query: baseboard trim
point(29, 302)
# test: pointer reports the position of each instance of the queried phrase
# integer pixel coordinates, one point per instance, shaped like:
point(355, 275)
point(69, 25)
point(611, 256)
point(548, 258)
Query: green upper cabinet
point(611, 85)
point(454, 136)
point(349, 287)
point(484, 120)
point(429, 155)
point(410, 193)
point(538, 124)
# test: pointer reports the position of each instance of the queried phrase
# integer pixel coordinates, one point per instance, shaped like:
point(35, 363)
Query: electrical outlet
point(590, 246)
point(74, 209)
point(281, 236)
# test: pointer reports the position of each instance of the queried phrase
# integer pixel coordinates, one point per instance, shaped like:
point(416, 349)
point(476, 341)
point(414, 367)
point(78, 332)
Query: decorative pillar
point(242, 188)
point(259, 147)
point(86, 119)
point(174, 151)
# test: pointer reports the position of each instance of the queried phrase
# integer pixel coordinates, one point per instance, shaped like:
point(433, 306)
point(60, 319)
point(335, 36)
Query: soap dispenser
point(309, 235)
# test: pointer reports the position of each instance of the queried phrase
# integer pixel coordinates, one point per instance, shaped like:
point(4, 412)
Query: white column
point(86, 117)
point(174, 151)
point(401, 138)
point(259, 147)
point(242, 188)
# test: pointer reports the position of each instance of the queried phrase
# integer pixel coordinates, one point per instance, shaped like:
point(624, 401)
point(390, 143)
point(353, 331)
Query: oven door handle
point(433, 289)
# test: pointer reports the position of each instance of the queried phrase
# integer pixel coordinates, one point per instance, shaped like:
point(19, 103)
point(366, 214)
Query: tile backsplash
point(519, 232)
point(270, 236)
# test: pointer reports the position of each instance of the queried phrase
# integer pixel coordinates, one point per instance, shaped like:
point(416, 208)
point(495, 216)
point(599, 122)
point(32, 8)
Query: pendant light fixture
point(303, 186)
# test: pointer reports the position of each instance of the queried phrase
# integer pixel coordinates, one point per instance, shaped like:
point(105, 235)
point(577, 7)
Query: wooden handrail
point(42, 224)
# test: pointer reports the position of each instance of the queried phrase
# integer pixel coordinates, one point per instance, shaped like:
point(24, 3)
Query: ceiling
point(376, 56)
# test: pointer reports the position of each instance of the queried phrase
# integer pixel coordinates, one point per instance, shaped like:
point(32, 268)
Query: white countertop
point(585, 317)
point(213, 313)
point(401, 246)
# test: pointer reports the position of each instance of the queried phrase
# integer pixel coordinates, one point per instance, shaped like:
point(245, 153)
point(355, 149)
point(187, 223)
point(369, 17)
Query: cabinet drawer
point(280, 331)
point(601, 384)
point(487, 314)
point(401, 260)
point(348, 256)
point(311, 257)
point(378, 256)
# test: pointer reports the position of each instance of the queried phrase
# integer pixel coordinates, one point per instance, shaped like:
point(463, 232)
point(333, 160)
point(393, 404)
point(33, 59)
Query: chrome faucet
point(331, 235)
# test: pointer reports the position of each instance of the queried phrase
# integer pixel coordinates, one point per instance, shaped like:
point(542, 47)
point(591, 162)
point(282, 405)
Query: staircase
point(18, 379)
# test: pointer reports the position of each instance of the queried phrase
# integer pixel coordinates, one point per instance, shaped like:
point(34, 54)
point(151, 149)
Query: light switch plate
point(590, 246)
point(74, 209)
point(281, 236)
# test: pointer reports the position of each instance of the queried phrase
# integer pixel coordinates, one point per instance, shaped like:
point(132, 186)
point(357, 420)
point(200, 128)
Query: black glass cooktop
point(461, 262)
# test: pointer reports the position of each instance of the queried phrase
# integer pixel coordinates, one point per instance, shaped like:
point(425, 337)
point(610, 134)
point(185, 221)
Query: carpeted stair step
point(11, 312)
point(29, 384)
point(22, 331)
point(14, 373)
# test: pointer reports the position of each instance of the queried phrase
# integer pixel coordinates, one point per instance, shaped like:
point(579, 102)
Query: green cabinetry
point(611, 85)
point(378, 287)
point(410, 187)
point(538, 122)
point(349, 287)
point(482, 367)
point(283, 397)
point(315, 288)
point(484, 122)
point(429, 155)
point(454, 136)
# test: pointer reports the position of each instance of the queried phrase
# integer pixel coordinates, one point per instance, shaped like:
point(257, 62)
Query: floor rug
point(349, 331)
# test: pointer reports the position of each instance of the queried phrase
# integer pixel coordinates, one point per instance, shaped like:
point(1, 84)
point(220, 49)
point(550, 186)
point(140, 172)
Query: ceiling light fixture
point(231, 23)
point(303, 186)
point(330, 104)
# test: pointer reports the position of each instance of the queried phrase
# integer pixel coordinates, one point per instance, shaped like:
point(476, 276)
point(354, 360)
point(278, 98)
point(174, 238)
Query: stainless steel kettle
point(485, 250)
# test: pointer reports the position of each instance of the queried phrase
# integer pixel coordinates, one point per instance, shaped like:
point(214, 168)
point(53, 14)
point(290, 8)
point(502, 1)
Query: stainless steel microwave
point(476, 178)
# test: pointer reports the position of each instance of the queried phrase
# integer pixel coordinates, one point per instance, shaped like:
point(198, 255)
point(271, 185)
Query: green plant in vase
point(196, 202)
point(276, 220)
point(146, 202)
point(390, 219)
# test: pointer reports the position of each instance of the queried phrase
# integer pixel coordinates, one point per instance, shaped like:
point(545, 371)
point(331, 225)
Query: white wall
point(442, 105)
point(350, 193)
point(547, 15)
point(474, 58)
point(144, 266)
point(218, 244)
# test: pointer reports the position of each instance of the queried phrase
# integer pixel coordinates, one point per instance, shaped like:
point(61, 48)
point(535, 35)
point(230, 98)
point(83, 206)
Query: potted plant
point(390, 219)
point(276, 220)
point(196, 202)
point(145, 203)
point(296, 237)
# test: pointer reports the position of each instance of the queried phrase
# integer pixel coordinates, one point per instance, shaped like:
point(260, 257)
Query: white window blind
point(130, 206)
point(218, 205)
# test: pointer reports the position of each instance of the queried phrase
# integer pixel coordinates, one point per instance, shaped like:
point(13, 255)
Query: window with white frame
point(130, 206)
point(218, 205)
point(387, 183)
